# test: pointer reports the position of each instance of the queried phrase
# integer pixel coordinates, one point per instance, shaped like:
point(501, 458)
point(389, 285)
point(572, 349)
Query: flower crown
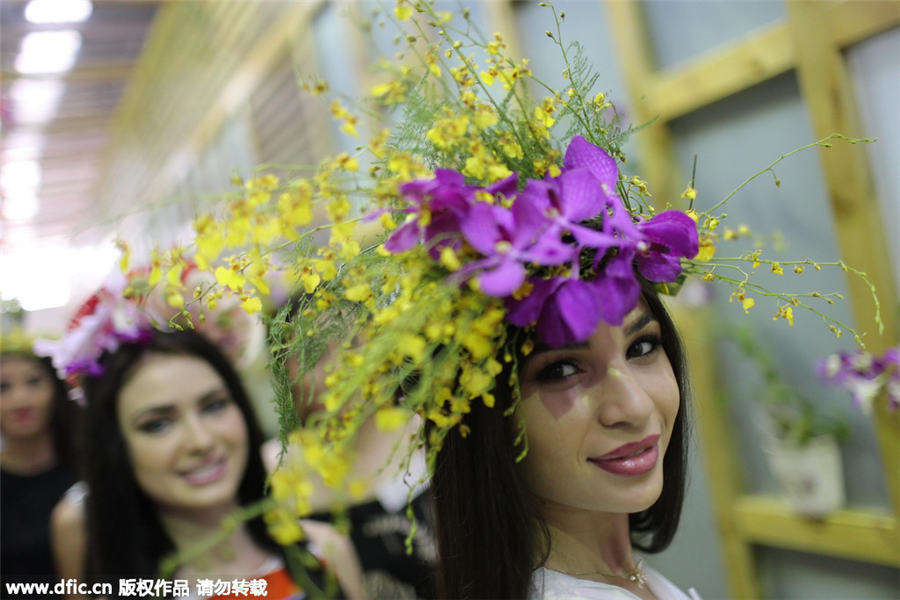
point(508, 235)
point(494, 229)
point(105, 321)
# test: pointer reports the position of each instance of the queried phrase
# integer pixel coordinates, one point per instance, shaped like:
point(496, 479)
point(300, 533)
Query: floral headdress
point(509, 229)
point(105, 321)
point(129, 307)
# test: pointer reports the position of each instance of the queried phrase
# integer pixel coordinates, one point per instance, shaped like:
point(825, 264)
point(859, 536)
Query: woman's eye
point(643, 346)
point(35, 381)
point(557, 371)
point(155, 425)
point(216, 405)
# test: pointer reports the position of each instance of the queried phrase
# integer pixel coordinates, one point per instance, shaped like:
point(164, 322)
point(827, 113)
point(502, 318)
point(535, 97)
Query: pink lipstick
point(634, 458)
point(207, 472)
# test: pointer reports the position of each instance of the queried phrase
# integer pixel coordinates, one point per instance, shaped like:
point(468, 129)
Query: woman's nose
point(622, 401)
point(198, 435)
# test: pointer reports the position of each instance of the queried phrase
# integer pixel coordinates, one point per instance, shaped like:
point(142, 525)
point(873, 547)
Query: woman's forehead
point(160, 378)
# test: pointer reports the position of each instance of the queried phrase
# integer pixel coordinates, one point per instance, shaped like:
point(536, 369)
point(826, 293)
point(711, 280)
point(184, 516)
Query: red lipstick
point(633, 458)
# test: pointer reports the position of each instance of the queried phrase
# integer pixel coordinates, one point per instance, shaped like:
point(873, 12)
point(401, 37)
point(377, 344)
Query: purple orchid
point(567, 310)
point(864, 375)
point(563, 310)
point(446, 198)
point(509, 238)
point(568, 200)
point(581, 154)
point(666, 238)
point(618, 287)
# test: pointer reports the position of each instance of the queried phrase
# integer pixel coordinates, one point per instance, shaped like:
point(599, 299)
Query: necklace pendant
point(637, 576)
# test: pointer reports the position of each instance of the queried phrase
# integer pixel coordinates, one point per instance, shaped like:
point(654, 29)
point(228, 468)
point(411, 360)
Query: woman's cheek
point(557, 404)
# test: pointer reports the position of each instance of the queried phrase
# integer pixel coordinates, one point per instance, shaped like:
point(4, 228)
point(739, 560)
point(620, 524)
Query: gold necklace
point(635, 576)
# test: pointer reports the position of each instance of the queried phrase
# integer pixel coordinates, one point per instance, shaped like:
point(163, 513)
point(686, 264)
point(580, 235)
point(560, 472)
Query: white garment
point(547, 584)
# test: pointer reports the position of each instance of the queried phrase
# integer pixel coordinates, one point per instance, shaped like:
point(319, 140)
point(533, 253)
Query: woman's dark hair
point(125, 535)
point(64, 413)
point(490, 535)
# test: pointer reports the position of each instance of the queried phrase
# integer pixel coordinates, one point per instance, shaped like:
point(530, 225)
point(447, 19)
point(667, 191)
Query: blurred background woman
point(36, 463)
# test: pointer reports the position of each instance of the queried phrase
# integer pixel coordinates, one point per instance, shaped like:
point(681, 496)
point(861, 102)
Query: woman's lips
point(22, 415)
point(635, 458)
point(207, 473)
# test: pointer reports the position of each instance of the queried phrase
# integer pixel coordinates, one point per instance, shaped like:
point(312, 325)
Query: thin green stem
point(822, 142)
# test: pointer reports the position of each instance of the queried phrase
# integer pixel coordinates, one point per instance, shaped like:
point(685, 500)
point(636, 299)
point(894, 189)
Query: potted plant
point(803, 450)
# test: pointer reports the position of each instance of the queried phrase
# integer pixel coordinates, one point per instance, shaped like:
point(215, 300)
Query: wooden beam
point(502, 18)
point(722, 465)
point(760, 55)
point(626, 22)
point(711, 77)
point(853, 21)
point(853, 534)
point(828, 92)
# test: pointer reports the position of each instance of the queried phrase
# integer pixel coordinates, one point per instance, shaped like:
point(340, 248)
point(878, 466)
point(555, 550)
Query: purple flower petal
point(482, 227)
point(673, 230)
point(503, 280)
point(506, 187)
point(526, 311)
point(578, 305)
point(581, 198)
point(656, 266)
point(582, 153)
point(404, 237)
point(618, 297)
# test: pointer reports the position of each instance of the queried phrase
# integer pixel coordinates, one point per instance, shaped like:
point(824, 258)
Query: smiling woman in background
point(36, 463)
point(172, 448)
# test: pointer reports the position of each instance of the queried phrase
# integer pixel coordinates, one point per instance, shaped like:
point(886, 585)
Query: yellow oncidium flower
point(449, 132)
point(230, 278)
point(358, 293)
point(391, 418)
point(707, 249)
point(283, 526)
point(403, 11)
point(251, 304)
point(785, 312)
point(485, 116)
point(689, 193)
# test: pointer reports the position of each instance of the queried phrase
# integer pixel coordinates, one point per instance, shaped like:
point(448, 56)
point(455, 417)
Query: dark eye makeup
point(558, 370)
point(216, 404)
point(643, 346)
point(154, 425)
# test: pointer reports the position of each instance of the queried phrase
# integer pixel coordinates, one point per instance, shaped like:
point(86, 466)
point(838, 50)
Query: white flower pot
point(810, 475)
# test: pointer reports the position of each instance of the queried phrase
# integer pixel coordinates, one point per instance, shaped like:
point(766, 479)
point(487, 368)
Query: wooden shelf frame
point(811, 41)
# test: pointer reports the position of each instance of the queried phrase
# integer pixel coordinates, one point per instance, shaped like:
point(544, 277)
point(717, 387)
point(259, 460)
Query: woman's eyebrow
point(213, 394)
point(542, 347)
point(153, 411)
point(645, 319)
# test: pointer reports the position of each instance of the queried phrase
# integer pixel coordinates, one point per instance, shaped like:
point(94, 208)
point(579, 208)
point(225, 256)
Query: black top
point(379, 537)
point(25, 505)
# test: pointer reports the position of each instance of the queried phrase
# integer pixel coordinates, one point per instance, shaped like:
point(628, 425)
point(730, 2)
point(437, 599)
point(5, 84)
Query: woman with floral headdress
point(37, 461)
point(601, 402)
point(172, 451)
point(606, 428)
point(557, 418)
